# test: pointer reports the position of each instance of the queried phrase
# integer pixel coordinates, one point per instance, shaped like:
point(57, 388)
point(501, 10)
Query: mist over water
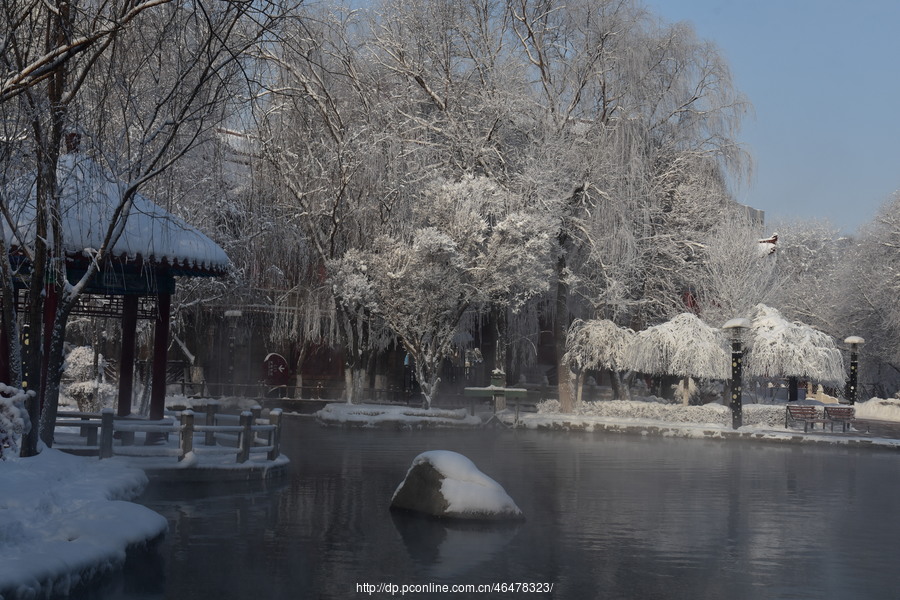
point(607, 516)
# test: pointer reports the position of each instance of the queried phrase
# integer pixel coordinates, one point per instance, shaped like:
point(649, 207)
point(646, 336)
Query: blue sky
point(824, 80)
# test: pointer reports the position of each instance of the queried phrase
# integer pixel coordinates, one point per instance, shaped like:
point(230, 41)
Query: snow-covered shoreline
point(394, 416)
point(761, 422)
point(66, 520)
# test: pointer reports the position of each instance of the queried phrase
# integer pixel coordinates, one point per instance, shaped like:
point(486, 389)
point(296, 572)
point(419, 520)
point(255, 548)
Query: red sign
point(276, 370)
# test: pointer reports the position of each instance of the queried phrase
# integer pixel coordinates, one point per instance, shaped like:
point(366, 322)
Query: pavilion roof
point(89, 196)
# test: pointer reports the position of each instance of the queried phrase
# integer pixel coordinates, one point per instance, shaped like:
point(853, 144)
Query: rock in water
point(447, 484)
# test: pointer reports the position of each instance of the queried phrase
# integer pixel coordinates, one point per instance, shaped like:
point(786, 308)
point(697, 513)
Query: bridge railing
point(106, 435)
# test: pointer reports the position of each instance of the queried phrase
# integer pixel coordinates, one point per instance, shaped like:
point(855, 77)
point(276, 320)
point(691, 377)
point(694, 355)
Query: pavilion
point(137, 278)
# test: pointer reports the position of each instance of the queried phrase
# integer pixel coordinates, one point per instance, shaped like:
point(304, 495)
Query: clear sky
point(824, 80)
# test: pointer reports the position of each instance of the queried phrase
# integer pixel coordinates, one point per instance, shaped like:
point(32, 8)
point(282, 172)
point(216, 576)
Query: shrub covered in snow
point(86, 386)
point(656, 409)
point(13, 420)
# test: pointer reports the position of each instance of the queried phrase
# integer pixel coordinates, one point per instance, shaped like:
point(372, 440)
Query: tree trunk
point(55, 362)
point(579, 387)
point(792, 389)
point(620, 390)
point(354, 380)
point(686, 391)
point(560, 326)
point(298, 371)
point(428, 375)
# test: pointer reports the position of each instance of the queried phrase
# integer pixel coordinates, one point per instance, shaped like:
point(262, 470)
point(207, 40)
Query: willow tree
point(777, 347)
point(684, 346)
point(641, 119)
point(599, 344)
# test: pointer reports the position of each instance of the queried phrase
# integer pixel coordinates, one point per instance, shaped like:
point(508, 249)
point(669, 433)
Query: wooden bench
point(844, 415)
point(804, 413)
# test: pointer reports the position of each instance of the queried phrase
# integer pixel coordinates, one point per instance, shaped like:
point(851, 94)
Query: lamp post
point(232, 317)
point(854, 341)
point(735, 328)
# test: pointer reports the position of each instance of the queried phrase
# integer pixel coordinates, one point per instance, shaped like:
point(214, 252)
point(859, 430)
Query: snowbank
point(714, 415)
point(879, 409)
point(64, 521)
point(13, 420)
point(377, 415)
point(447, 484)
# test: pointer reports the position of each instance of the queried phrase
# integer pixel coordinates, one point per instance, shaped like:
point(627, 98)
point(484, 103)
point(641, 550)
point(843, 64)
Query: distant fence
point(241, 435)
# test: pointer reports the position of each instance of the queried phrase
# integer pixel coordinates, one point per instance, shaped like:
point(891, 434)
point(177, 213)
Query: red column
point(126, 357)
point(160, 348)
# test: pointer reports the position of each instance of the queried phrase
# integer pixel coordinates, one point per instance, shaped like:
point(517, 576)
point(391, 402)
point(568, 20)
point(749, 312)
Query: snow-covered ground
point(650, 410)
point(379, 415)
point(646, 416)
point(65, 520)
point(879, 409)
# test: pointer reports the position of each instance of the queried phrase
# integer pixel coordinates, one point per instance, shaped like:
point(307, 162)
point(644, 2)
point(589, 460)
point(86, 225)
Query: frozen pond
point(607, 517)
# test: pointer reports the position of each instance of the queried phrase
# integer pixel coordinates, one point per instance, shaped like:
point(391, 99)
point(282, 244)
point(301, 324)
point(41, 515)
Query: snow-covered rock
point(441, 483)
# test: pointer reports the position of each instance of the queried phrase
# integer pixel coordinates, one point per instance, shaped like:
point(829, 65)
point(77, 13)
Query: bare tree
point(809, 254)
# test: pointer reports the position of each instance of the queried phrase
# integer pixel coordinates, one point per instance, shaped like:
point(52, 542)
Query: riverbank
point(762, 422)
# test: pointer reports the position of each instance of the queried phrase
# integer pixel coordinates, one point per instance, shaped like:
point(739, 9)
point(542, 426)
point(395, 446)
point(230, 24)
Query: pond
point(608, 516)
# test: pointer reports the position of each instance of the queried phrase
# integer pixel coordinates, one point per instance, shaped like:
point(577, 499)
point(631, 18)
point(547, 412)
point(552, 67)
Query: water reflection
point(448, 549)
point(607, 516)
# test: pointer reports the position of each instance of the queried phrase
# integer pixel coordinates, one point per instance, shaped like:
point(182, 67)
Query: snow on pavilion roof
point(89, 196)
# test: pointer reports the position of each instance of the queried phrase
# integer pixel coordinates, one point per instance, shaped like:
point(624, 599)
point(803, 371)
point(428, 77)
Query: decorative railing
point(106, 435)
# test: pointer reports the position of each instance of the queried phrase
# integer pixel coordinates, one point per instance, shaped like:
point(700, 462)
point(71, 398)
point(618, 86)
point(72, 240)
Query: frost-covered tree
point(737, 272)
point(640, 120)
point(776, 347)
point(131, 86)
point(619, 127)
point(470, 252)
point(684, 346)
point(83, 371)
point(867, 285)
point(598, 344)
point(809, 254)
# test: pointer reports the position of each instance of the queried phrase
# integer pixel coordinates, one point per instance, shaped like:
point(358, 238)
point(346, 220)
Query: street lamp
point(232, 317)
point(735, 328)
point(854, 341)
